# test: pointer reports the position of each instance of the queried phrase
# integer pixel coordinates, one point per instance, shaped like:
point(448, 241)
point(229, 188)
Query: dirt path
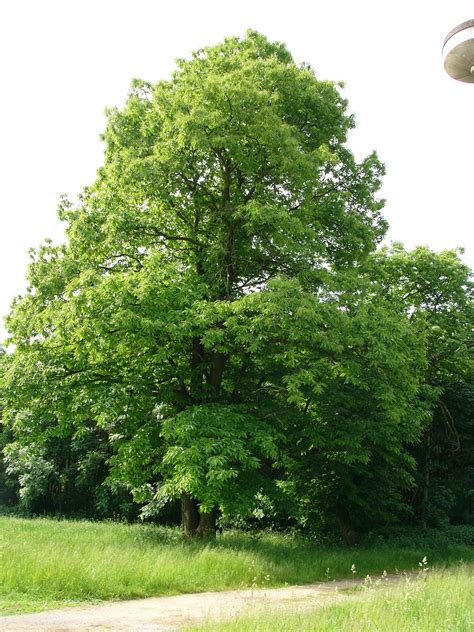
point(163, 614)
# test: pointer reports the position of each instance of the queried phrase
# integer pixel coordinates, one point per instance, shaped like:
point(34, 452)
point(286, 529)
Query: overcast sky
point(63, 62)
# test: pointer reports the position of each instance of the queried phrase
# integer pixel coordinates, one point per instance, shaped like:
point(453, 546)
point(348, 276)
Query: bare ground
point(163, 614)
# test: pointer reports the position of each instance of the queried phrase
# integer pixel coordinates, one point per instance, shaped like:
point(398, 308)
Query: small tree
point(435, 292)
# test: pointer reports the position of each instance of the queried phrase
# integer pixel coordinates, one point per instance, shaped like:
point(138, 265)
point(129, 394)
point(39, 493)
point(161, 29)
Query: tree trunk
point(195, 523)
point(197, 357)
point(189, 515)
point(425, 485)
point(348, 533)
point(218, 362)
point(207, 524)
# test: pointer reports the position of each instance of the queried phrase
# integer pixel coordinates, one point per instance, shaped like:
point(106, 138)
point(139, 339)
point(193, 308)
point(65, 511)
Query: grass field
point(443, 602)
point(47, 563)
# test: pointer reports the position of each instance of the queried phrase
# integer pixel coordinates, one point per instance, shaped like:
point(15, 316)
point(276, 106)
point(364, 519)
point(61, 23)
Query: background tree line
point(219, 328)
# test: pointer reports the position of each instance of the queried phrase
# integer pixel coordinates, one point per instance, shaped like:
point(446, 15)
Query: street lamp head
point(458, 52)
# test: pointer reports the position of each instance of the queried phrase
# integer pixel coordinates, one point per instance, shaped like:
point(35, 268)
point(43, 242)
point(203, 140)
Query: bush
point(413, 537)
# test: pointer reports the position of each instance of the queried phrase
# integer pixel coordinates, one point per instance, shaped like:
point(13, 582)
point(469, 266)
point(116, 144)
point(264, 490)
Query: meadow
point(47, 563)
point(428, 603)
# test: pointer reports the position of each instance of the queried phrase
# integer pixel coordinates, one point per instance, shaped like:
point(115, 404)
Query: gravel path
point(163, 614)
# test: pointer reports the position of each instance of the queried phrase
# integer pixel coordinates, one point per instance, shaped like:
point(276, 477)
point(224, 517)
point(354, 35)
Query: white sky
point(63, 61)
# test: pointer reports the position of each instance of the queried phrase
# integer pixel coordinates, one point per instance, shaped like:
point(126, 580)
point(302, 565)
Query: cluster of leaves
point(62, 473)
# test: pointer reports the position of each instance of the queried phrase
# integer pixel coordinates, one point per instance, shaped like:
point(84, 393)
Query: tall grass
point(46, 561)
point(442, 602)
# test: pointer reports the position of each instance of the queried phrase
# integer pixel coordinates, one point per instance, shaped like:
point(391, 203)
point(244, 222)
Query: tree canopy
point(209, 310)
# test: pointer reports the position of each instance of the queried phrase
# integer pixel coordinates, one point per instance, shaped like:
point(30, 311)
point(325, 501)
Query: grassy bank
point(443, 601)
point(45, 563)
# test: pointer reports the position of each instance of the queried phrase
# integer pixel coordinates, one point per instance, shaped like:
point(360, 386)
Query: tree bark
point(218, 360)
point(189, 515)
point(197, 357)
point(425, 485)
point(348, 533)
point(195, 523)
point(207, 524)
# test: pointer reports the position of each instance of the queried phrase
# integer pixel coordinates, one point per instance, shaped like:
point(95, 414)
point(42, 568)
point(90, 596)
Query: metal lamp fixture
point(458, 52)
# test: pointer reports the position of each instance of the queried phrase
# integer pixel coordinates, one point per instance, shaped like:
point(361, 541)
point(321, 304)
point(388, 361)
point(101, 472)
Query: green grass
point(45, 563)
point(442, 602)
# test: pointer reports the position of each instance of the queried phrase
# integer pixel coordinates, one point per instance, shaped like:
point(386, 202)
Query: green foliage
point(66, 475)
point(436, 293)
point(8, 483)
point(214, 453)
point(414, 537)
point(447, 456)
point(32, 469)
point(225, 195)
point(351, 461)
point(218, 316)
point(404, 307)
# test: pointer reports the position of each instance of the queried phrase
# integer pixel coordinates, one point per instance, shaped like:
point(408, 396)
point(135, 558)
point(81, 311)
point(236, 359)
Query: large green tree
point(185, 313)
